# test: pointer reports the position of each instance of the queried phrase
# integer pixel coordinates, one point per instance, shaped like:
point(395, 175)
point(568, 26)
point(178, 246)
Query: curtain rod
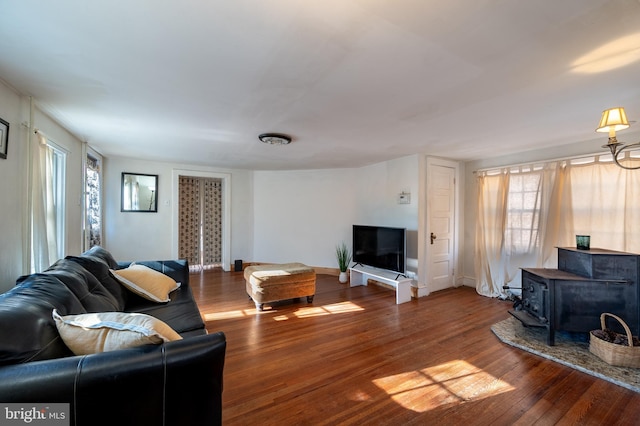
point(551, 160)
point(35, 130)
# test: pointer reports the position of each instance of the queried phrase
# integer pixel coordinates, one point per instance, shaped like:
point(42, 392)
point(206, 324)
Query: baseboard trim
point(326, 271)
point(244, 265)
point(422, 291)
point(469, 282)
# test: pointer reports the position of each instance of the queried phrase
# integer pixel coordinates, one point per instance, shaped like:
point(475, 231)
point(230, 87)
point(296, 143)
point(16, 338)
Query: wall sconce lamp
point(612, 120)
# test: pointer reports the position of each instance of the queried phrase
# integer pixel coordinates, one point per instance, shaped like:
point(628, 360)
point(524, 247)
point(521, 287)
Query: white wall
point(140, 236)
point(15, 109)
point(11, 190)
point(277, 216)
point(592, 146)
point(302, 215)
point(377, 191)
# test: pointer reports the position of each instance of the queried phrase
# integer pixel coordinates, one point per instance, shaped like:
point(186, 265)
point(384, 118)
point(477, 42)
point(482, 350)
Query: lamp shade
point(613, 119)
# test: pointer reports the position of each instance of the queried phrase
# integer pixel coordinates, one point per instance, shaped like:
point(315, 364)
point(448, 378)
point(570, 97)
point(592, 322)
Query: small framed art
point(4, 138)
point(139, 193)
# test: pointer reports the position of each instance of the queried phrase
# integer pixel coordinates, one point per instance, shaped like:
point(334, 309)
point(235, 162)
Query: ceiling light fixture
point(275, 138)
point(614, 119)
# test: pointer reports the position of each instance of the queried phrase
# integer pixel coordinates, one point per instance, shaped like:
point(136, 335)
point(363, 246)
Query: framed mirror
point(139, 193)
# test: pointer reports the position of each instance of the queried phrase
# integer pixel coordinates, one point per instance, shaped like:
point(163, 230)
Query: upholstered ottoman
point(270, 283)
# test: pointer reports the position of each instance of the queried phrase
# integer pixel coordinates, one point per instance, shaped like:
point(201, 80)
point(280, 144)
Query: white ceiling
point(354, 82)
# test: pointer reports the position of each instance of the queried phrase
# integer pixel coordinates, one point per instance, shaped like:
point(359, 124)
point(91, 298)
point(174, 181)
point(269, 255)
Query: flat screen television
point(380, 246)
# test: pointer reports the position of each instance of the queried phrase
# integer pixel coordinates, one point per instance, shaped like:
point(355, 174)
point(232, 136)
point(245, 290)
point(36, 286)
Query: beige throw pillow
point(146, 282)
point(109, 331)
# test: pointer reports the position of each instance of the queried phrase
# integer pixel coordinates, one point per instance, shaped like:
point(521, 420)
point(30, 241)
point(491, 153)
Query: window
point(93, 197)
point(523, 212)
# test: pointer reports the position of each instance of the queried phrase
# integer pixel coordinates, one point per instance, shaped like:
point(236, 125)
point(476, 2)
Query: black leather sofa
point(173, 383)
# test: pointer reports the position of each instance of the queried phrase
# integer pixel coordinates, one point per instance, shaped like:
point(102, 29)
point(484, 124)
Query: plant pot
point(343, 277)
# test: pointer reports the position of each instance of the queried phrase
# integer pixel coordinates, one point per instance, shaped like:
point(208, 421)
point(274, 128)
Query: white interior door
point(440, 238)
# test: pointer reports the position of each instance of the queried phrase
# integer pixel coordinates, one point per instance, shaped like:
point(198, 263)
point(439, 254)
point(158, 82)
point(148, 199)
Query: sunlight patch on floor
point(335, 308)
point(216, 316)
point(421, 390)
point(359, 395)
point(306, 312)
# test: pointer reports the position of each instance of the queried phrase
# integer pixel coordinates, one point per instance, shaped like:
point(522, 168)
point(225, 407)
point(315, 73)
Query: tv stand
point(359, 275)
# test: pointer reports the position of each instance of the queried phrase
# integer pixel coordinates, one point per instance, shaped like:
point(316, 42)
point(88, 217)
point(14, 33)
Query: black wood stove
point(586, 284)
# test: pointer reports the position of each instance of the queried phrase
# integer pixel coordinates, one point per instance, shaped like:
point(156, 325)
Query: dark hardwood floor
point(355, 357)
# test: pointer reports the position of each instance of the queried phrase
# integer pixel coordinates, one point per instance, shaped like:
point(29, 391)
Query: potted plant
point(344, 257)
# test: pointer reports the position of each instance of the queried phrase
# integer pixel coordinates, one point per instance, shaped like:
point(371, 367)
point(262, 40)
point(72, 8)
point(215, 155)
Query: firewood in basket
point(615, 338)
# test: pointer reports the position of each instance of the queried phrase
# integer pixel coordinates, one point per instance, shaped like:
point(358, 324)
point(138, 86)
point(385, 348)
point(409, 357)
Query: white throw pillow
point(146, 282)
point(109, 331)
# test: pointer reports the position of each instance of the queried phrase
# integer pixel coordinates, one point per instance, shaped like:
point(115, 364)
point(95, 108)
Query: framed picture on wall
point(4, 138)
point(139, 193)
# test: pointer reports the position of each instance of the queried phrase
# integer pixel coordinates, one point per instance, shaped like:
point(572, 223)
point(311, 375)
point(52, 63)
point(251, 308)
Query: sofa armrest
point(174, 383)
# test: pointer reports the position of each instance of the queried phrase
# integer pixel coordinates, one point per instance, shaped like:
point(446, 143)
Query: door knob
point(433, 237)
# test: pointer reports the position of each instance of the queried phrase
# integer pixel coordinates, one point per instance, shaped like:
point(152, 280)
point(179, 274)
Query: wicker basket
point(614, 354)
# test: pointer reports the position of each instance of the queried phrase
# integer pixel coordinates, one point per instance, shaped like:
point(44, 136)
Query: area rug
point(571, 349)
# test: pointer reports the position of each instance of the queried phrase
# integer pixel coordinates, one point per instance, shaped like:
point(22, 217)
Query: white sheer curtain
point(490, 227)
point(606, 206)
point(524, 213)
point(518, 223)
point(43, 221)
